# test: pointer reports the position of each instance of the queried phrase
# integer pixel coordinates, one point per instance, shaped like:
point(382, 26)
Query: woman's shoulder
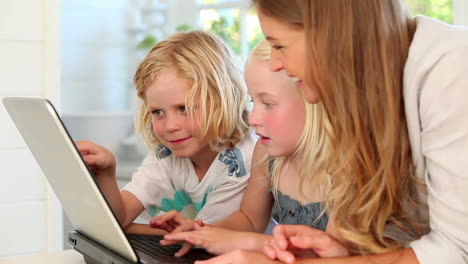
point(437, 50)
point(433, 39)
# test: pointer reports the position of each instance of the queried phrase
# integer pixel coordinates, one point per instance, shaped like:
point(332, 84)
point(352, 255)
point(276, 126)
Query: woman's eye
point(277, 47)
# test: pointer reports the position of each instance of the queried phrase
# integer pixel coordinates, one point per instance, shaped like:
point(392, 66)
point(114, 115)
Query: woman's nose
point(275, 63)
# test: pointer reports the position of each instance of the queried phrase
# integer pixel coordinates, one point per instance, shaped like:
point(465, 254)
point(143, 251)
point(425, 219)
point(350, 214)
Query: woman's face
point(287, 51)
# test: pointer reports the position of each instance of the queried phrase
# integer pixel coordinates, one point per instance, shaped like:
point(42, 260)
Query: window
point(234, 21)
point(439, 9)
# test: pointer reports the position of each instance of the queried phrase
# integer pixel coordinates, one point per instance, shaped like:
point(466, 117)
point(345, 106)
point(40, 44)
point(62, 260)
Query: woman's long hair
point(356, 54)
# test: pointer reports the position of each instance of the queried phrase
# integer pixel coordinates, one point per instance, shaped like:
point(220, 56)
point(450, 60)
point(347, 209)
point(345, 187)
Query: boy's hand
point(174, 222)
point(100, 160)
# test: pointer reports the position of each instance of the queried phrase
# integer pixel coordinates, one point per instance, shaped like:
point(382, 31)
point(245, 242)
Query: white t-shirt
point(170, 183)
point(436, 104)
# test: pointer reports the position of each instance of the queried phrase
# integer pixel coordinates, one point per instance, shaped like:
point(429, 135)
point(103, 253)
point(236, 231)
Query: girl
point(194, 116)
point(286, 126)
point(395, 91)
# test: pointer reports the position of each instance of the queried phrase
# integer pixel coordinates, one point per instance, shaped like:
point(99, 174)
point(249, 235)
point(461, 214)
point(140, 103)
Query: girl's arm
point(219, 240)
point(255, 210)
point(253, 215)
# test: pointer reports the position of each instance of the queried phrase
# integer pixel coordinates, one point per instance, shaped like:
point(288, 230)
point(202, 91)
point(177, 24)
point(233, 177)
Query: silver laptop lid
point(62, 165)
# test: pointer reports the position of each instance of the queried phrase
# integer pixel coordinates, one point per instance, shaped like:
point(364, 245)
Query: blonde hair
point(311, 145)
point(356, 54)
point(218, 89)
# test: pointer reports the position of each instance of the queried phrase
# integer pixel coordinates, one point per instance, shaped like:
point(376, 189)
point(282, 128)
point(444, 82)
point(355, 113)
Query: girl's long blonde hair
point(356, 54)
point(218, 89)
point(313, 142)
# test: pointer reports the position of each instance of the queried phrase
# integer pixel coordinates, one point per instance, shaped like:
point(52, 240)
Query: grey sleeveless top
point(289, 212)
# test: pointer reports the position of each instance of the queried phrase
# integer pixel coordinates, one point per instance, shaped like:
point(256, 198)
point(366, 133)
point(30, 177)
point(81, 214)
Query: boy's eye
point(157, 112)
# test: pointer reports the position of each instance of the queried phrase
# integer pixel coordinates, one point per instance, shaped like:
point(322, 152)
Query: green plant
point(439, 9)
point(150, 40)
point(230, 32)
point(147, 43)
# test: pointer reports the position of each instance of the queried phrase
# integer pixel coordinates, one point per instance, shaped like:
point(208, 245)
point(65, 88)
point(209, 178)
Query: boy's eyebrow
point(270, 38)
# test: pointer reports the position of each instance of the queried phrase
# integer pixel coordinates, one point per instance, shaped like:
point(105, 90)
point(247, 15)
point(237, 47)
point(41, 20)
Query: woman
point(394, 89)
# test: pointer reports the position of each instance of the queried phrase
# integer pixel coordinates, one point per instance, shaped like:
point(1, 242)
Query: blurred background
point(82, 56)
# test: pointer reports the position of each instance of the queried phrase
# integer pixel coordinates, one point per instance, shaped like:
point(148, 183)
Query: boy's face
point(279, 112)
point(171, 124)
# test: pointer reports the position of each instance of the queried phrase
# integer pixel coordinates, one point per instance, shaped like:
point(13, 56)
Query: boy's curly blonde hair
point(218, 89)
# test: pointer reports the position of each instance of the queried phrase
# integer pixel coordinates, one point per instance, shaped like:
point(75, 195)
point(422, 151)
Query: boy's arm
point(102, 162)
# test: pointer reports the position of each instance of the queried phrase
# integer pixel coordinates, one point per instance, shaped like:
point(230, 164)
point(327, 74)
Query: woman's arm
point(438, 126)
point(402, 256)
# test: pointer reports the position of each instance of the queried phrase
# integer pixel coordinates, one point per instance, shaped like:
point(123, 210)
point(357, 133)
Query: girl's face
point(287, 51)
point(279, 112)
point(171, 125)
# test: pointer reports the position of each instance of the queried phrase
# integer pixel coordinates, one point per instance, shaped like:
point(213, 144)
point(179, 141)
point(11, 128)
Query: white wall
point(30, 217)
point(94, 56)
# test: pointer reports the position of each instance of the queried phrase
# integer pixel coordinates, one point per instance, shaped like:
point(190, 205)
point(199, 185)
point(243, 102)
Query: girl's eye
point(267, 105)
point(183, 109)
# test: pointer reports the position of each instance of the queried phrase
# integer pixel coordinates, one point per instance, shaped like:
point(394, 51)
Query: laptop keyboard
point(150, 245)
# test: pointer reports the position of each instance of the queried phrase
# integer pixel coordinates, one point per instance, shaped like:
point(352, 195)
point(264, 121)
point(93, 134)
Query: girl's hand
point(239, 256)
point(219, 240)
point(291, 241)
point(100, 160)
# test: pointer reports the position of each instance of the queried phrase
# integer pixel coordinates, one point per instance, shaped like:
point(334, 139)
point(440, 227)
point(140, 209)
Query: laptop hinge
point(93, 252)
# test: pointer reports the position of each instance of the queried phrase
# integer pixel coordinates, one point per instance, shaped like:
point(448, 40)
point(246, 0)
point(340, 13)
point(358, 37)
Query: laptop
point(97, 235)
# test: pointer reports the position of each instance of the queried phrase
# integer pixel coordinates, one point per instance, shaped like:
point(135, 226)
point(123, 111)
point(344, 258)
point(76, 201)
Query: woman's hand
point(239, 257)
point(291, 241)
point(219, 240)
